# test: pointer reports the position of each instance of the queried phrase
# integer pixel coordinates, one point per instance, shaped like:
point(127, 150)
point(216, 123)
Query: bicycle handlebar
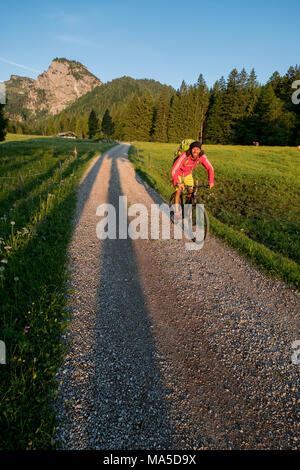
point(197, 186)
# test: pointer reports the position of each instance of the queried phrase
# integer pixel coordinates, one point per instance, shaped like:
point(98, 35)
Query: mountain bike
point(191, 207)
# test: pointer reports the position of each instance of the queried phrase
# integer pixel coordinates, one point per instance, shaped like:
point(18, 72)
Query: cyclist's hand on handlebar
point(181, 186)
point(211, 185)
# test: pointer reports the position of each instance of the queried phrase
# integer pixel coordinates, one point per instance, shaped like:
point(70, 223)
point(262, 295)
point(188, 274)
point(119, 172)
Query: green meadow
point(16, 137)
point(38, 181)
point(254, 205)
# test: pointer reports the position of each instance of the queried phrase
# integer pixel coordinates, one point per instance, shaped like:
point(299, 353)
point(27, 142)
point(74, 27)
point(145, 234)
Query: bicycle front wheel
point(200, 219)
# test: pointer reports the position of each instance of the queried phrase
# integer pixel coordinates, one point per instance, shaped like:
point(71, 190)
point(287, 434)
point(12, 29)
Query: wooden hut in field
point(66, 135)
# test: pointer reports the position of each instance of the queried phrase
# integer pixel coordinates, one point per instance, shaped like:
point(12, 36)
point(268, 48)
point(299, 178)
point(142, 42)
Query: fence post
point(60, 170)
point(20, 184)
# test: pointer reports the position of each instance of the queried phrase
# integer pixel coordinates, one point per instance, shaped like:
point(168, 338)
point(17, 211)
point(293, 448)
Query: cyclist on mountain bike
point(182, 171)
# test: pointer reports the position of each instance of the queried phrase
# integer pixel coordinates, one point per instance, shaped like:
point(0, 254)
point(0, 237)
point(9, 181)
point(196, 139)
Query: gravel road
point(170, 348)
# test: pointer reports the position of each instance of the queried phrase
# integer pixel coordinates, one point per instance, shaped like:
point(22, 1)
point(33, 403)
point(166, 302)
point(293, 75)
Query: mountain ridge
point(116, 92)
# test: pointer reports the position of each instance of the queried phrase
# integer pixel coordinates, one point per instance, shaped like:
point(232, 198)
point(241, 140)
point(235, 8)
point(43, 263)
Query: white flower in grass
point(13, 222)
point(4, 260)
point(7, 247)
point(2, 268)
point(16, 278)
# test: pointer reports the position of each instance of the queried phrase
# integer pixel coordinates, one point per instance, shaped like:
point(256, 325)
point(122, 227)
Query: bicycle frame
point(191, 195)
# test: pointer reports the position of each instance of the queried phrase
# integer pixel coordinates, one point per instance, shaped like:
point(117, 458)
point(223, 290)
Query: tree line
point(234, 111)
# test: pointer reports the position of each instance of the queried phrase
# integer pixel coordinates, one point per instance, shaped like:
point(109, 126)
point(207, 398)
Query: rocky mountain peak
point(55, 89)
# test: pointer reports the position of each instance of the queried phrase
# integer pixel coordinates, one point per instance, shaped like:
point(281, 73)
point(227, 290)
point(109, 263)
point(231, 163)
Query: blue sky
point(165, 40)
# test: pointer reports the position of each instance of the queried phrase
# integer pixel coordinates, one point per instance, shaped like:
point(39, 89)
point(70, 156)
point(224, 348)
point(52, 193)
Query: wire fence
point(20, 177)
point(29, 175)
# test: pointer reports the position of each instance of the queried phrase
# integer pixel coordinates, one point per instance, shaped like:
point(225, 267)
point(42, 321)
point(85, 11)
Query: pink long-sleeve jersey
point(185, 165)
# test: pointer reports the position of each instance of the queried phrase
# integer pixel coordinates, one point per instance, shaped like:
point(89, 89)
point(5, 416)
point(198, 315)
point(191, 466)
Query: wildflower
point(2, 268)
point(7, 247)
point(13, 222)
point(16, 278)
point(27, 328)
point(4, 260)
point(16, 319)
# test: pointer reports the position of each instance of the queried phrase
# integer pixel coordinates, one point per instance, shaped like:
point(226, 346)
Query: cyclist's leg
point(177, 198)
point(189, 183)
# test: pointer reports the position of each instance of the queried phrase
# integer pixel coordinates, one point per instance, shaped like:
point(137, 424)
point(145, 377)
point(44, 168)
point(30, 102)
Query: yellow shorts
point(186, 180)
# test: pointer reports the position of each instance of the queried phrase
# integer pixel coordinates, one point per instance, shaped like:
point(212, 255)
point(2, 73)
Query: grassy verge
point(35, 227)
point(253, 204)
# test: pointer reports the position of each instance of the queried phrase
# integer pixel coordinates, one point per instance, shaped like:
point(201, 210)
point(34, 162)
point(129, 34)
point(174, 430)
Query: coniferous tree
point(118, 115)
point(180, 116)
point(107, 125)
point(275, 124)
point(245, 127)
point(174, 121)
point(72, 123)
point(215, 124)
point(201, 99)
point(49, 126)
point(232, 105)
point(93, 125)
point(79, 127)
point(3, 123)
point(63, 122)
point(132, 118)
point(144, 128)
point(161, 118)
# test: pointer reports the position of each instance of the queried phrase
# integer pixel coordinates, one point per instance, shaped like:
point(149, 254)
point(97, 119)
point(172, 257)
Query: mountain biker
point(182, 171)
